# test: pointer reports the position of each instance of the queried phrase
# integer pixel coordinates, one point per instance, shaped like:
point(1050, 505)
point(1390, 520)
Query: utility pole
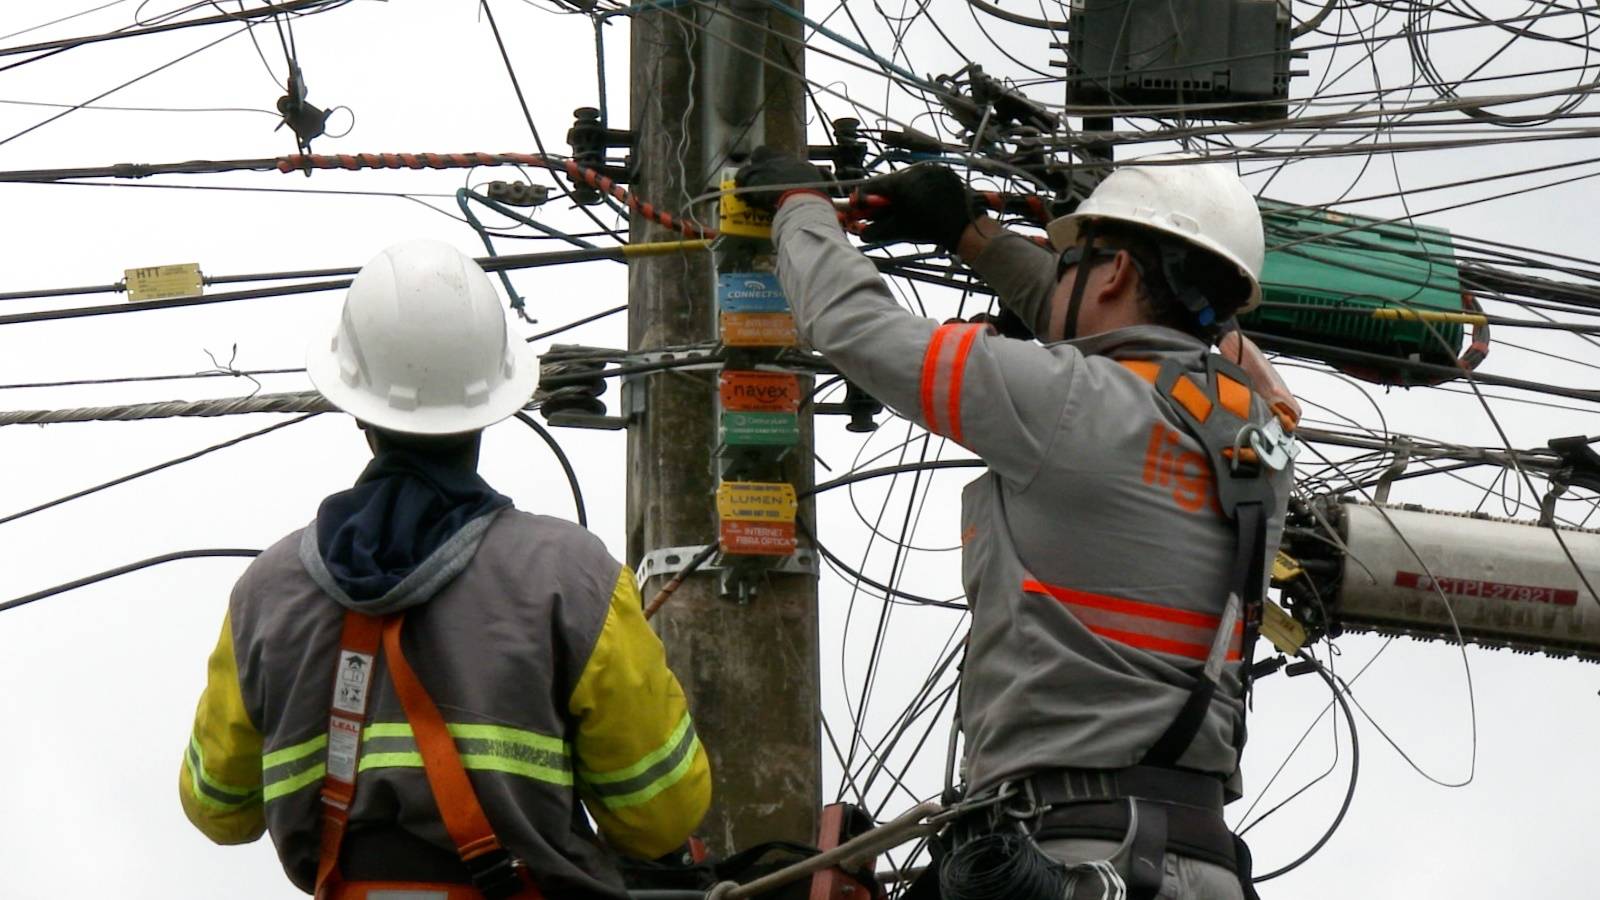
point(707, 83)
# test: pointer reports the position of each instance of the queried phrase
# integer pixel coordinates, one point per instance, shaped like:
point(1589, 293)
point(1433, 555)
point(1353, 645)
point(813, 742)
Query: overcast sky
point(100, 683)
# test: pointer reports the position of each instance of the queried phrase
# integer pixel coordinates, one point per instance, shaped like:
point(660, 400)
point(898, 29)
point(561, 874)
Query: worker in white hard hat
point(413, 692)
point(1114, 555)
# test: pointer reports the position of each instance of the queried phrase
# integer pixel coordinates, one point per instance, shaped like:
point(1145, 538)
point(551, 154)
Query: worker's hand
point(925, 204)
point(1005, 322)
point(770, 175)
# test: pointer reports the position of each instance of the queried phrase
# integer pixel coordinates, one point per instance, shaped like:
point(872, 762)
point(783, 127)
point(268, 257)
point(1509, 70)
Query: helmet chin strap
point(1080, 281)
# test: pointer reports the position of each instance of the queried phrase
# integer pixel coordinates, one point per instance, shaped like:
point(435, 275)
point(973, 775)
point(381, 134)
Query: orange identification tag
point(759, 391)
point(758, 538)
point(759, 330)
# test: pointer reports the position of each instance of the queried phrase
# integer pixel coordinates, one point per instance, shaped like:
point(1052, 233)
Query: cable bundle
point(1002, 867)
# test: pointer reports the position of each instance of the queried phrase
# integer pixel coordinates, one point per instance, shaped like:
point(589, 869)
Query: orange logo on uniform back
point(1185, 473)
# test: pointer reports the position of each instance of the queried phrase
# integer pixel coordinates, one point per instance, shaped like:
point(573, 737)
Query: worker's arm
point(1000, 398)
point(928, 203)
point(641, 770)
point(219, 784)
point(1022, 273)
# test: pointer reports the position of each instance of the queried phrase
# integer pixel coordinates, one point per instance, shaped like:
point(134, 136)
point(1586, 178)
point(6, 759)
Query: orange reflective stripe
point(958, 368)
point(930, 369)
point(1187, 393)
point(1147, 369)
point(1234, 396)
point(1160, 644)
point(1147, 626)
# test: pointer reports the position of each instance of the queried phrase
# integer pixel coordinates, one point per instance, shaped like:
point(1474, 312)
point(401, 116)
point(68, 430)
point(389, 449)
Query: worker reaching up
point(413, 692)
point(1114, 555)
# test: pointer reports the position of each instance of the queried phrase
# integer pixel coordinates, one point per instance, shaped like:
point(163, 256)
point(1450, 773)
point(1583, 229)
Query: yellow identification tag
point(1281, 629)
point(1285, 569)
point(162, 282)
point(739, 218)
point(756, 501)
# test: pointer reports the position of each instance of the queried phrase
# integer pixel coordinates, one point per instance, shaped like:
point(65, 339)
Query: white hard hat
point(1202, 203)
point(424, 346)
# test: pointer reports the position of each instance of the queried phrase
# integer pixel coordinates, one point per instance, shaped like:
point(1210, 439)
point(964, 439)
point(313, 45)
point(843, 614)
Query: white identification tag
point(350, 688)
point(344, 742)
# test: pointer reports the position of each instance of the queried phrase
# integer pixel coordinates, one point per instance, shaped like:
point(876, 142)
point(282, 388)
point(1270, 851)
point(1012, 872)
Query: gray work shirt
point(1095, 559)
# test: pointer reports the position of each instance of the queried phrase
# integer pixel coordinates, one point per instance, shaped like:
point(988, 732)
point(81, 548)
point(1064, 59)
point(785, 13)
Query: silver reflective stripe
point(1224, 639)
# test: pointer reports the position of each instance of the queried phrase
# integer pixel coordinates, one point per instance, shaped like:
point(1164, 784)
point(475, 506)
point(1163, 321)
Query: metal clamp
point(1275, 447)
point(669, 561)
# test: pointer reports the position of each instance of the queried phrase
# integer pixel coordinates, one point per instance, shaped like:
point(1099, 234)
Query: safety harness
point(495, 873)
point(1154, 805)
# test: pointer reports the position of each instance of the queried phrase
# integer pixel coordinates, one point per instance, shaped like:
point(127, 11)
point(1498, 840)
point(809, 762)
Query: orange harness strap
point(494, 871)
point(347, 716)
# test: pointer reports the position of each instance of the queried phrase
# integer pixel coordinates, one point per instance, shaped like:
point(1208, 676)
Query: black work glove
point(925, 204)
point(1005, 322)
point(778, 172)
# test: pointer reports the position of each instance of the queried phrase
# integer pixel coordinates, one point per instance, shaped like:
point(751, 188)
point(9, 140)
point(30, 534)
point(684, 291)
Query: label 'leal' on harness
point(344, 741)
point(350, 691)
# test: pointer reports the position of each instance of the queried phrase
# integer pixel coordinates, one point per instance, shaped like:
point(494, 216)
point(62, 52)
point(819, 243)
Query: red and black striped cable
point(303, 162)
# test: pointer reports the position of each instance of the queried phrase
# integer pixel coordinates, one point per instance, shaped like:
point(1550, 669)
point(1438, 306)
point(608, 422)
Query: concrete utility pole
point(706, 84)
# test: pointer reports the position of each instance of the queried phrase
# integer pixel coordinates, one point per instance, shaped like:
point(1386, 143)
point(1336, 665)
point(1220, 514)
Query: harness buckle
point(1274, 447)
point(495, 873)
point(1026, 817)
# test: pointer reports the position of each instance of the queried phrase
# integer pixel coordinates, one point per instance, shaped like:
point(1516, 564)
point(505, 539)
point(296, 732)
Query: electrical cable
point(1339, 689)
point(244, 15)
point(122, 570)
point(124, 479)
point(561, 457)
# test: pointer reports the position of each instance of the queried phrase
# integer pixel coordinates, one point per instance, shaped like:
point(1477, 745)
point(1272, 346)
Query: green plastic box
point(1323, 266)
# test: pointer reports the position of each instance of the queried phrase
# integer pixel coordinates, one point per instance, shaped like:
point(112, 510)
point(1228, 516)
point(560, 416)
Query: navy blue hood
point(403, 508)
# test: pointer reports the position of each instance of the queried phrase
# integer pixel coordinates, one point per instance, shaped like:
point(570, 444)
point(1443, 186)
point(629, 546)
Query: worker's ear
point(1121, 275)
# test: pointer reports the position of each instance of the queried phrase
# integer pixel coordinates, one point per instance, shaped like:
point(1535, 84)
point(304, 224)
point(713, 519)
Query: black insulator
point(861, 407)
point(587, 138)
point(517, 193)
point(578, 385)
point(849, 151)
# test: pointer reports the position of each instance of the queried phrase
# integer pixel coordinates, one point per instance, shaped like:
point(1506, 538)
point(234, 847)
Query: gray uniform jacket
point(1095, 559)
point(528, 636)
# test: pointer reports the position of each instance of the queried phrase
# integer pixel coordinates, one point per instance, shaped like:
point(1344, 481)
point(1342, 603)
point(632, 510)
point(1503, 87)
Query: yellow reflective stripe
point(199, 770)
point(298, 751)
point(645, 762)
point(293, 783)
point(469, 732)
point(648, 792)
point(478, 762)
point(390, 761)
point(482, 761)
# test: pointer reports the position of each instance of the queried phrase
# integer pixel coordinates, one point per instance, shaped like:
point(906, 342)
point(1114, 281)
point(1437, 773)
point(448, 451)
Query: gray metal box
point(1181, 53)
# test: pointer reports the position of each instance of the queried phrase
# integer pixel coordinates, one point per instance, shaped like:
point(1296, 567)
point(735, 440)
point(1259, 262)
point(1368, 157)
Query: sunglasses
point(1076, 254)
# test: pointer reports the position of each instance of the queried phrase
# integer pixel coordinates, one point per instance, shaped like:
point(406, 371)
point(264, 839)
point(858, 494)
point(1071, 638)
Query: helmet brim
point(512, 395)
